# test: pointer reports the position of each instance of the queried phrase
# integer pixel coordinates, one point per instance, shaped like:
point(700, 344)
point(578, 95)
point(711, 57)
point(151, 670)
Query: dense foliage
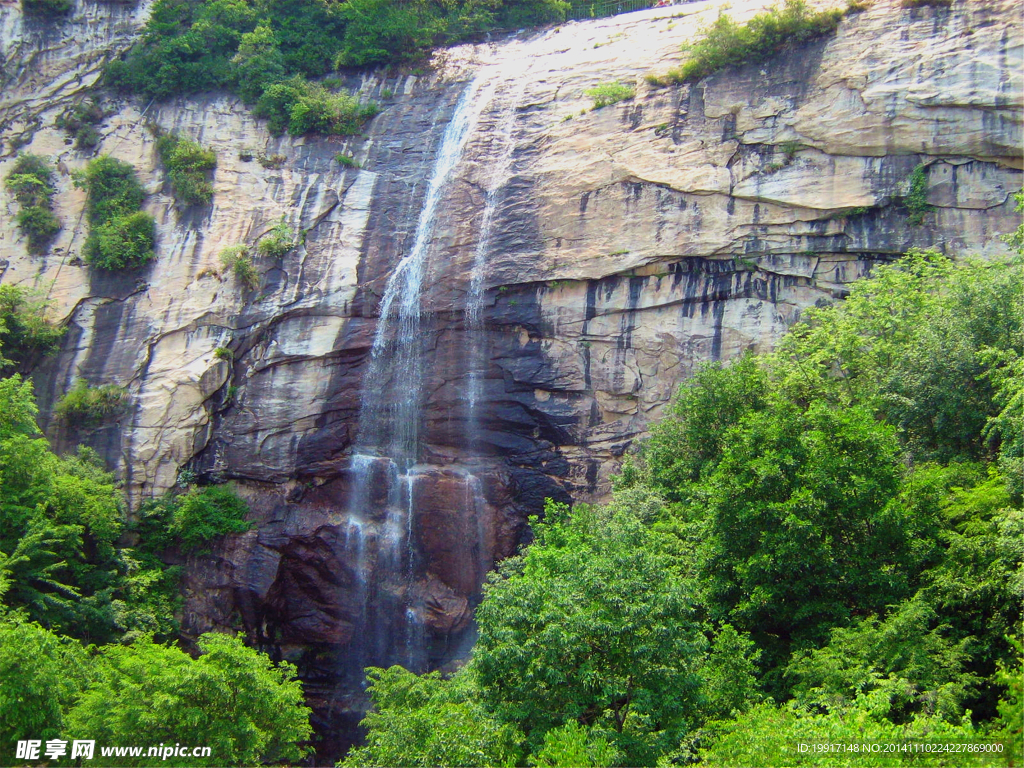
point(25, 335)
point(727, 44)
point(31, 183)
point(121, 236)
point(187, 165)
point(268, 52)
point(67, 579)
point(823, 544)
point(83, 405)
point(233, 699)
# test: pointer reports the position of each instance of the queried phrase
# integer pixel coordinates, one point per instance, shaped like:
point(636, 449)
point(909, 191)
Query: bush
point(31, 183)
point(187, 164)
point(80, 122)
point(606, 94)
point(46, 7)
point(124, 242)
point(916, 199)
point(277, 242)
point(86, 406)
point(346, 160)
point(25, 334)
point(121, 236)
point(299, 107)
point(112, 189)
point(728, 44)
point(236, 258)
point(203, 514)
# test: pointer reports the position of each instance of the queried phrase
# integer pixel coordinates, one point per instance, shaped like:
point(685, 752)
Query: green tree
point(41, 674)
point(25, 334)
point(907, 655)
point(428, 721)
point(573, 746)
point(203, 514)
point(232, 698)
point(798, 530)
point(259, 62)
point(688, 444)
point(769, 735)
point(591, 624)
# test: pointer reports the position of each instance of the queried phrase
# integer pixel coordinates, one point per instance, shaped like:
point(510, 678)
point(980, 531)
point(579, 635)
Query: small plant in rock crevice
point(277, 242)
point(916, 199)
point(237, 260)
point(606, 94)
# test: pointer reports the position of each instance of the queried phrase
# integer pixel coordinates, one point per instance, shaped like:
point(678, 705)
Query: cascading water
point(384, 462)
point(475, 299)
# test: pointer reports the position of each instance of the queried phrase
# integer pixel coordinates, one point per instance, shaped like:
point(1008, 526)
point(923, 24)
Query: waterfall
point(501, 169)
point(384, 460)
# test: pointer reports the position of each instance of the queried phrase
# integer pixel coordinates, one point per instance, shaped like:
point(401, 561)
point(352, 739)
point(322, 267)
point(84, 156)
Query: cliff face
point(575, 267)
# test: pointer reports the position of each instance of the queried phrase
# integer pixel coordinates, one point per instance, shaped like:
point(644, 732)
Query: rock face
point(581, 263)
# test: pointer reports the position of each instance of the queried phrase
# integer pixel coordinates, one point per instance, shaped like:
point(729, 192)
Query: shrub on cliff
point(298, 107)
point(606, 94)
point(236, 258)
point(277, 242)
point(121, 236)
point(86, 406)
point(26, 335)
point(31, 183)
point(46, 8)
point(80, 122)
point(187, 164)
point(205, 513)
point(727, 44)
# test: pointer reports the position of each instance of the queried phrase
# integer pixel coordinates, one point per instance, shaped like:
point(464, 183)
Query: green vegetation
point(606, 94)
point(46, 8)
point(31, 183)
point(346, 160)
point(277, 242)
point(41, 674)
point(728, 44)
point(203, 514)
point(269, 53)
point(121, 236)
point(81, 613)
point(298, 107)
point(187, 165)
point(25, 335)
point(233, 699)
point(272, 162)
point(236, 258)
point(822, 544)
point(80, 122)
point(223, 353)
point(916, 199)
point(85, 406)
